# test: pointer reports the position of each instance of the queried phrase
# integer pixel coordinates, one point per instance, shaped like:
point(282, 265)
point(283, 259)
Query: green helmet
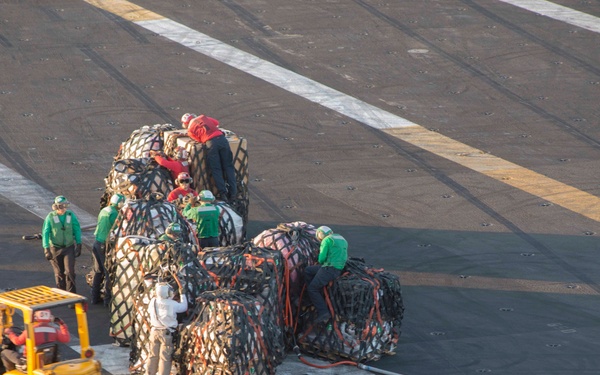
point(61, 200)
point(206, 196)
point(323, 232)
point(173, 229)
point(117, 199)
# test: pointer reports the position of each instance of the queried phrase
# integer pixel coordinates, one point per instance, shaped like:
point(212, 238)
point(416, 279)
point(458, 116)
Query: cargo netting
point(200, 172)
point(232, 334)
point(297, 243)
point(232, 230)
point(137, 228)
point(368, 311)
point(257, 272)
point(231, 224)
point(143, 140)
point(150, 218)
point(136, 178)
point(177, 265)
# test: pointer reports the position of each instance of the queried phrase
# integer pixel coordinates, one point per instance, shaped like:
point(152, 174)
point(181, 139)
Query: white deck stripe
point(559, 13)
point(278, 76)
point(33, 197)
point(502, 170)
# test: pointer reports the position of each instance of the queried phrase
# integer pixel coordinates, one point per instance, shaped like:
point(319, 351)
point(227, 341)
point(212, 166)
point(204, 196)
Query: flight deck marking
point(559, 13)
point(499, 169)
point(38, 198)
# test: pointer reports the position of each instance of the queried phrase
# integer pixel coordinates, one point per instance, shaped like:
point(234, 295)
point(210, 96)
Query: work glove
point(77, 250)
point(47, 253)
point(58, 321)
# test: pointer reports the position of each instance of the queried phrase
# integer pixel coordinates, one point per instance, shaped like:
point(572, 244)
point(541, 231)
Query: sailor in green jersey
point(106, 219)
point(61, 240)
point(332, 259)
point(172, 233)
point(206, 217)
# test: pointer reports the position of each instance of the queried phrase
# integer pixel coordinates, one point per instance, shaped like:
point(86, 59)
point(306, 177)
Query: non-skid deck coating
point(454, 143)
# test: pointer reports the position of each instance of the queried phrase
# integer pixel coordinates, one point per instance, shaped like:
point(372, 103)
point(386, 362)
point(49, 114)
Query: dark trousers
point(316, 278)
point(100, 275)
point(63, 264)
point(209, 242)
point(220, 159)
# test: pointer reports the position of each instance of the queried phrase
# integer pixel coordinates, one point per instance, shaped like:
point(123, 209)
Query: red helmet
point(42, 316)
point(186, 118)
point(184, 177)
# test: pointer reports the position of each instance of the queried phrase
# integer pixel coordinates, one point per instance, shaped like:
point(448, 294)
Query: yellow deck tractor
point(44, 359)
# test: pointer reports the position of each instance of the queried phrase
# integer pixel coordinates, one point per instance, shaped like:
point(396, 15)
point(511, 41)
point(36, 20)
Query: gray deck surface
point(497, 278)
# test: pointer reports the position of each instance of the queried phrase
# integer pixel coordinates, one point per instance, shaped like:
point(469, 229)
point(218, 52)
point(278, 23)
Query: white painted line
point(278, 76)
point(559, 13)
point(37, 200)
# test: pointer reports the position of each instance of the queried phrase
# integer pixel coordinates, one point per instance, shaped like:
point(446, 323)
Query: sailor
point(46, 328)
point(106, 219)
point(206, 217)
point(184, 190)
point(163, 312)
point(219, 157)
point(61, 240)
point(333, 255)
point(172, 233)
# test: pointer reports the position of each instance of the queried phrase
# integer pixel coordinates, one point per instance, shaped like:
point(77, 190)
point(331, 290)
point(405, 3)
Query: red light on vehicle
point(84, 305)
point(89, 353)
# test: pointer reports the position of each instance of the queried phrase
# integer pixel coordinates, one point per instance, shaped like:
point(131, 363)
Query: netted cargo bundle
point(255, 271)
point(149, 218)
point(368, 314)
point(230, 336)
point(123, 265)
point(143, 140)
point(232, 230)
point(135, 259)
point(200, 172)
point(136, 178)
point(297, 243)
point(180, 268)
point(139, 354)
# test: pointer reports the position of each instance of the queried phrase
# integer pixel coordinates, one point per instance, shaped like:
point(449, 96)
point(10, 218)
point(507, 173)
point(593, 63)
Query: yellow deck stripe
point(509, 173)
point(126, 10)
point(492, 283)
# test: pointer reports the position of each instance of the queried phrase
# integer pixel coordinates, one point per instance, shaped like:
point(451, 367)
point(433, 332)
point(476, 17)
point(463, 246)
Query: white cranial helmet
point(163, 290)
point(322, 232)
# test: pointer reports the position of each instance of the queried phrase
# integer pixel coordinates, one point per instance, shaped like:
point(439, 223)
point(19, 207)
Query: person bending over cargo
point(219, 158)
point(206, 217)
point(177, 165)
point(163, 321)
point(332, 259)
point(184, 189)
point(106, 219)
point(46, 328)
point(61, 240)
point(186, 119)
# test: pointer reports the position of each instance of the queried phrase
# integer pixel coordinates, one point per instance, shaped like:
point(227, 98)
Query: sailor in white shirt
point(163, 319)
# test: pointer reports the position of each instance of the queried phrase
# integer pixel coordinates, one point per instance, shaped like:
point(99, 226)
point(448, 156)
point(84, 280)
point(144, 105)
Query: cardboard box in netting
point(200, 172)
